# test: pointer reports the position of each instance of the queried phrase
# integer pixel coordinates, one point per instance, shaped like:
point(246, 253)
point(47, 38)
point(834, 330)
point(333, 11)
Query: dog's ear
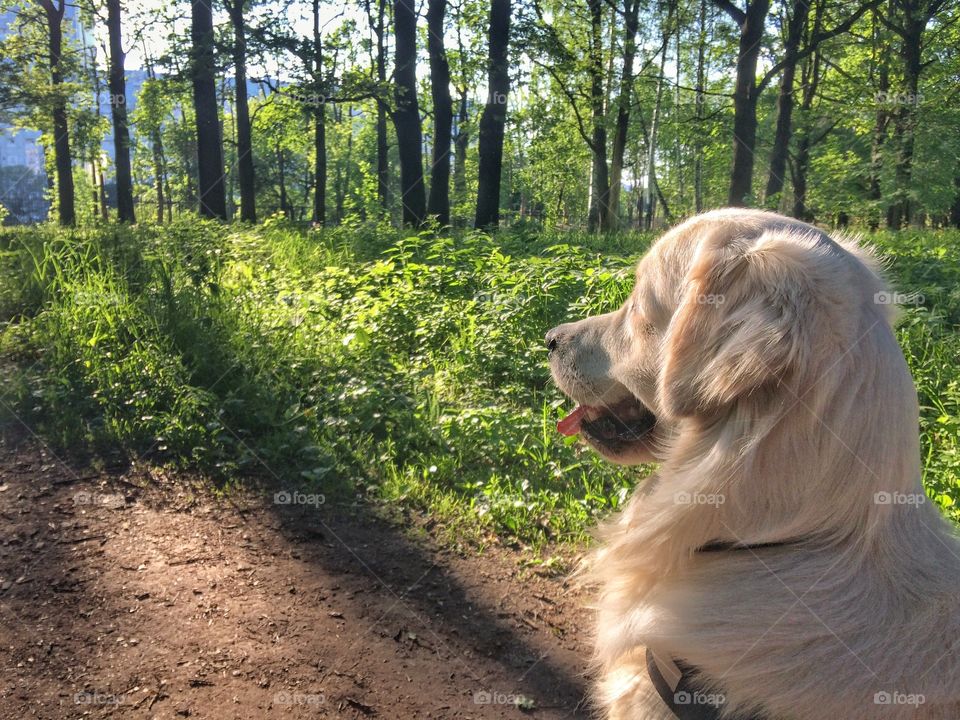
point(738, 331)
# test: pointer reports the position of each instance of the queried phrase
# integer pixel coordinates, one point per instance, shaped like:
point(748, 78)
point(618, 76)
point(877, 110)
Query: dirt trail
point(132, 595)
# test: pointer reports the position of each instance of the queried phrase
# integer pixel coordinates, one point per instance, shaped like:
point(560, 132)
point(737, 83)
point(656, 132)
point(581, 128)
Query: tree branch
point(735, 13)
point(814, 43)
point(581, 126)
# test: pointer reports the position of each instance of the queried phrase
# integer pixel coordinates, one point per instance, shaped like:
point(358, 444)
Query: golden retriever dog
point(784, 562)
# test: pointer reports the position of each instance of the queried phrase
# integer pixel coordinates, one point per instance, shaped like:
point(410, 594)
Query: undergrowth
point(367, 361)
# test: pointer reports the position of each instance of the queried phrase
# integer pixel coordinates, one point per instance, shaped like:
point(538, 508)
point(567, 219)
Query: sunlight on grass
point(368, 362)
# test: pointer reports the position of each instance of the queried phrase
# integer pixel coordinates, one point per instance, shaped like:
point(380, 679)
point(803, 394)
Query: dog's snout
point(552, 339)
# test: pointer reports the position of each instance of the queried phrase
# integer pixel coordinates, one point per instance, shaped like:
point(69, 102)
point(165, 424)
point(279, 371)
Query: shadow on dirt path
point(135, 594)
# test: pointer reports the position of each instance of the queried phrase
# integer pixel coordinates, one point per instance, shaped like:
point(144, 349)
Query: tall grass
point(366, 361)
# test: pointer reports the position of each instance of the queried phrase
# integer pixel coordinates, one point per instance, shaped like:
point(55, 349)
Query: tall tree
point(751, 22)
point(406, 116)
point(955, 207)
point(118, 105)
point(319, 124)
point(245, 169)
point(212, 192)
point(153, 104)
point(793, 53)
point(61, 132)
point(810, 134)
point(461, 141)
point(881, 66)
point(651, 184)
point(383, 149)
point(598, 211)
point(631, 13)
point(797, 13)
point(438, 203)
point(910, 26)
point(494, 117)
point(699, 110)
point(747, 89)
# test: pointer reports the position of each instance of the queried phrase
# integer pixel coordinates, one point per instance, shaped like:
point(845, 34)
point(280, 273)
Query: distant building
point(23, 178)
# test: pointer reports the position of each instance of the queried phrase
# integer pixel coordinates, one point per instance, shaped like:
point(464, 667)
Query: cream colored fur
point(778, 384)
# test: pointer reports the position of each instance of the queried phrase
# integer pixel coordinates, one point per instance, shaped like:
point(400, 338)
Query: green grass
point(366, 361)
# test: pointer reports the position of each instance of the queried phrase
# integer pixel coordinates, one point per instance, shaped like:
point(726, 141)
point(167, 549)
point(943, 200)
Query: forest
point(600, 114)
point(278, 430)
point(321, 244)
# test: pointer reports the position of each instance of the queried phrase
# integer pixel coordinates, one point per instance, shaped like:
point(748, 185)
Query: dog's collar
point(674, 679)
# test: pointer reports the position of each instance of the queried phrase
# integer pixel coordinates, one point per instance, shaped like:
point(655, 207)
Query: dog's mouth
point(613, 429)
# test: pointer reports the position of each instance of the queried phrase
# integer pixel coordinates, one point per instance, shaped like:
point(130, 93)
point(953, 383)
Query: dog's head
point(731, 314)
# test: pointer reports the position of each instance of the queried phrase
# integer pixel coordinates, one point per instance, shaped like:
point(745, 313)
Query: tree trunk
point(461, 142)
point(811, 76)
point(906, 117)
point(801, 167)
point(781, 139)
point(99, 204)
point(245, 171)
point(406, 116)
point(598, 211)
point(158, 171)
point(343, 169)
point(438, 203)
point(751, 25)
point(94, 187)
point(494, 117)
point(880, 127)
point(168, 194)
point(118, 105)
point(631, 24)
point(213, 200)
point(699, 110)
point(104, 210)
point(955, 208)
point(652, 143)
point(282, 178)
point(319, 216)
point(383, 160)
point(61, 133)
point(159, 158)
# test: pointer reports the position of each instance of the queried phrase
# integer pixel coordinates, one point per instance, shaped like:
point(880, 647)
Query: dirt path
point(132, 595)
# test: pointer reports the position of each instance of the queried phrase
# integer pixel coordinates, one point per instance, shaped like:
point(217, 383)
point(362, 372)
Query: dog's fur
point(785, 410)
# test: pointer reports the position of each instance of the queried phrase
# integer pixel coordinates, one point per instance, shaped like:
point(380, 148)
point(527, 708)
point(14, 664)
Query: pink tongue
point(570, 425)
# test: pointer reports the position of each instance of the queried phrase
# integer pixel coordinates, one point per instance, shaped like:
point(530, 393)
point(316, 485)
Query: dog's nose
point(552, 339)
